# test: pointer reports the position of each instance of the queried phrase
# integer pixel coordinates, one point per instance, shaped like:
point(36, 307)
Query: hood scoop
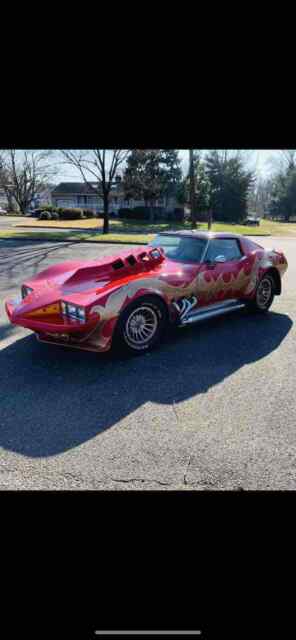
point(143, 259)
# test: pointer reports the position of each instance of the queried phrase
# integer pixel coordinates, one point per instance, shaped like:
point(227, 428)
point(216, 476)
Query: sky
point(259, 160)
point(262, 161)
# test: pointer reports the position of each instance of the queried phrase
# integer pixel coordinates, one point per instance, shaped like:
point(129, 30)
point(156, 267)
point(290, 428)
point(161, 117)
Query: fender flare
point(276, 278)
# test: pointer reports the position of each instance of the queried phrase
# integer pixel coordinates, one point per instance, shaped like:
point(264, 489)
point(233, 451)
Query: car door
point(224, 273)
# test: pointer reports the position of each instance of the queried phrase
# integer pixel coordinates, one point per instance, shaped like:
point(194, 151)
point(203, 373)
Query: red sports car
point(129, 299)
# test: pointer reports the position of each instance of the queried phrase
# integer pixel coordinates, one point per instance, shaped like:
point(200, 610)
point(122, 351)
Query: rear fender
point(277, 280)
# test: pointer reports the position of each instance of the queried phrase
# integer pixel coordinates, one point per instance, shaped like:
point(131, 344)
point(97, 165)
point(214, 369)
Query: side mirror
point(220, 259)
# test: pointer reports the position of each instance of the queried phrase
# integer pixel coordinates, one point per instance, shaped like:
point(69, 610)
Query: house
point(3, 200)
point(43, 197)
point(82, 195)
point(7, 203)
point(76, 195)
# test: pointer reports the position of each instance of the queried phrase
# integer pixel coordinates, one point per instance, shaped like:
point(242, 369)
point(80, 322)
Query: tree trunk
point(192, 189)
point(210, 219)
point(106, 214)
point(11, 203)
point(22, 206)
point(151, 212)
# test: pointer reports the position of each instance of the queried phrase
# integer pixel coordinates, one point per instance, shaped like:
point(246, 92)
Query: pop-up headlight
point(73, 311)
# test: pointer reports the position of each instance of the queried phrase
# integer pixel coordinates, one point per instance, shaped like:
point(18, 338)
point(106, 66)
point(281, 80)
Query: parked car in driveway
point(129, 299)
point(3, 212)
point(252, 221)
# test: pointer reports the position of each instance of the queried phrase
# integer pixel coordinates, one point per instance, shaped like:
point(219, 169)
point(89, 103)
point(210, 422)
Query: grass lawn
point(78, 236)
point(130, 231)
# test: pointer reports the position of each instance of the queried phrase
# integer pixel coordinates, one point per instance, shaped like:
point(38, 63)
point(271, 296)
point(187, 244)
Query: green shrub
point(140, 213)
point(178, 214)
point(89, 213)
point(48, 207)
point(70, 214)
point(124, 212)
point(55, 215)
point(45, 215)
point(137, 213)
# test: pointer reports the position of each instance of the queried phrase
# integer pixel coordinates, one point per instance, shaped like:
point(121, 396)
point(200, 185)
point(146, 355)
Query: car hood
point(83, 282)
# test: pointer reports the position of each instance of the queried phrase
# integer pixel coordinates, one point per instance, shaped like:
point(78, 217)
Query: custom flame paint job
point(105, 287)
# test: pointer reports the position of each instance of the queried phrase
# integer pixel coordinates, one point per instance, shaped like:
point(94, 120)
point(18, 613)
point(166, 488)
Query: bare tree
point(198, 188)
point(282, 161)
point(102, 165)
point(289, 158)
point(24, 174)
point(259, 196)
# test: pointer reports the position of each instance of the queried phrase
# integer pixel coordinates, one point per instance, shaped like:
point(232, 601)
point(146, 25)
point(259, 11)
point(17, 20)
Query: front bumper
point(97, 339)
point(92, 336)
point(10, 306)
point(53, 323)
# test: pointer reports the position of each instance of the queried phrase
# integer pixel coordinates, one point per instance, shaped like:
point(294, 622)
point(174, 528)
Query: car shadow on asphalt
point(53, 399)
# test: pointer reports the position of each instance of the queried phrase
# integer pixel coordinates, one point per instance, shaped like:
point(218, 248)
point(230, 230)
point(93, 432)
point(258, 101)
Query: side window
point(229, 248)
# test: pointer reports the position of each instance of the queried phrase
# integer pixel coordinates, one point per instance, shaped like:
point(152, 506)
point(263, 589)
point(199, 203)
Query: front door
point(223, 274)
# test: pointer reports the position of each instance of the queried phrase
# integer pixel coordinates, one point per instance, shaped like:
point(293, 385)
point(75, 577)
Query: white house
point(3, 200)
point(80, 195)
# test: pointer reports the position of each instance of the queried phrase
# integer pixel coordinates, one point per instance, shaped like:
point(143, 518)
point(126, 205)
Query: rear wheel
point(264, 294)
point(141, 325)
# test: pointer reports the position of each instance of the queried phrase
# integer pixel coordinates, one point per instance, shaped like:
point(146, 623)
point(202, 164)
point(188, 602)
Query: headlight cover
point(73, 311)
point(25, 291)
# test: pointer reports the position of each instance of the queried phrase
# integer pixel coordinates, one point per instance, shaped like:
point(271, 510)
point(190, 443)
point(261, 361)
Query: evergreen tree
point(150, 175)
point(202, 188)
point(230, 183)
point(283, 199)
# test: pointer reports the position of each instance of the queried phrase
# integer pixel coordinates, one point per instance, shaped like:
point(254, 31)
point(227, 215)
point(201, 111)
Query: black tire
point(152, 313)
point(264, 294)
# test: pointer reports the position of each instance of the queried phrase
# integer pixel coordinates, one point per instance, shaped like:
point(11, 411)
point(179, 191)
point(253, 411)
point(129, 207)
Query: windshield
point(180, 248)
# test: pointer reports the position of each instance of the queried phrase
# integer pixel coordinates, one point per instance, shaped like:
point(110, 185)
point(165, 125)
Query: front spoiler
point(94, 340)
point(82, 346)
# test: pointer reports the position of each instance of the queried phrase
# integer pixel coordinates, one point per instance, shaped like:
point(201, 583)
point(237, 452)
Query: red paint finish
point(105, 287)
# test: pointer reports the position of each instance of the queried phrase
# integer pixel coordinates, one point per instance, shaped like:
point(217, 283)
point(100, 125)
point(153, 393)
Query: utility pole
point(192, 189)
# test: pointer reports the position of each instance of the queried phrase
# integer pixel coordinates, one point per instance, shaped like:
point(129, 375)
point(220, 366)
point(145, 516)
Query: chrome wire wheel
point(141, 326)
point(264, 293)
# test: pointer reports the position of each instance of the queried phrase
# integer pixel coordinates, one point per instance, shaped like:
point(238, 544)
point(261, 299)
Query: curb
point(123, 242)
point(72, 241)
point(64, 229)
point(33, 226)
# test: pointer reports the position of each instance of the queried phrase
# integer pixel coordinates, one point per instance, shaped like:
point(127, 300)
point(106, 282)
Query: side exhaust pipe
point(205, 314)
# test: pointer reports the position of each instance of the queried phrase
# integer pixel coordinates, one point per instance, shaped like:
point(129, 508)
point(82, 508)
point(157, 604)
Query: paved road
point(213, 408)
point(8, 222)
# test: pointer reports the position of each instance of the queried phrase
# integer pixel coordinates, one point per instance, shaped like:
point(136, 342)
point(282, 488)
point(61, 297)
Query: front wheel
point(141, 325)
point(264, 294)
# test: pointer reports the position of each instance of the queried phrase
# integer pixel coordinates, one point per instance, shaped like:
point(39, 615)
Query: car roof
point(205, 235)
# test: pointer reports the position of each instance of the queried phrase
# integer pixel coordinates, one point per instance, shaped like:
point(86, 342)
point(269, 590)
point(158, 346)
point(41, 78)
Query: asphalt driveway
point(213, 408)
